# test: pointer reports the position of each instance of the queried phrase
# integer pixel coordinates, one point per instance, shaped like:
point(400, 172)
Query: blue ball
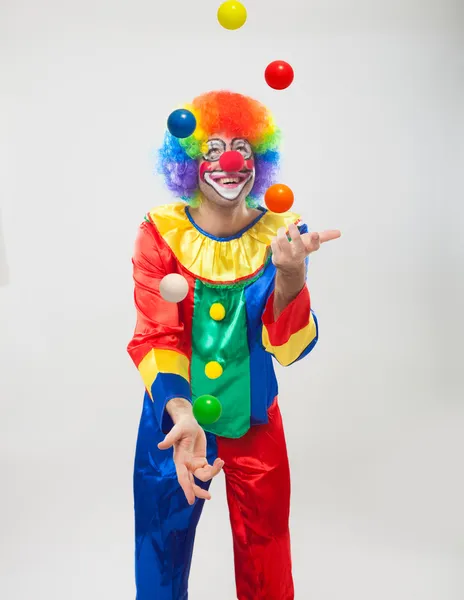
point(181, 123)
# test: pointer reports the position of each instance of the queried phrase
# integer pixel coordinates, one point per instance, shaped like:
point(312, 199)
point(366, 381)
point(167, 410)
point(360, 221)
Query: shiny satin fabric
point(173, 343)
point(218, 259)
point(165, 524)
point(224, 341)
point(258, 493)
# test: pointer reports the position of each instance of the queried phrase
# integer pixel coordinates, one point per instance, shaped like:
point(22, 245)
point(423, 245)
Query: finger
point(217, 467)
point(295, 237)
point(199, 446)
point(275, 249)
point(198, 490)
point(282, 239)
point(315, 240)
point(311, 241)
point(185, 482)
point(172, 437)
point(329, 235)
point(201, 493)
point(207, 472)
point(197, 463)
point(204, 474)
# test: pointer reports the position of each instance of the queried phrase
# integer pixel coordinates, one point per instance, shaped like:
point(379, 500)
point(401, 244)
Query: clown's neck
point(221, 221)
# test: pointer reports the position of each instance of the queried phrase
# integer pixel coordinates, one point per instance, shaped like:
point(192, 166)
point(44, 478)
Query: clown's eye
point(213, 154)
point(215, 149)
point(244, 148)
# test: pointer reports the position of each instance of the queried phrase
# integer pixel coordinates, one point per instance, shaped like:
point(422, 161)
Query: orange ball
point(279, 198)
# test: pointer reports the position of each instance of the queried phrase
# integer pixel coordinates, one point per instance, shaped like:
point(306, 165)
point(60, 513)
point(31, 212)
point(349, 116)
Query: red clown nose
point(231, 161)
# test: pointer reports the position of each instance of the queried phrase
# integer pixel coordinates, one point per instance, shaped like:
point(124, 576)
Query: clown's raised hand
point(290, 249)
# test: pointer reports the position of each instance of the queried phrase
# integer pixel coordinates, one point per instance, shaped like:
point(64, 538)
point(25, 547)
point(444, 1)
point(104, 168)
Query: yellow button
point(217, 311)
point(213, 370)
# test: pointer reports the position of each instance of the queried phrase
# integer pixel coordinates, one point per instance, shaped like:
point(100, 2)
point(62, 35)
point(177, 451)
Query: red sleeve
point(294, 334)
point(158, 322)
point(159, 347)
point(292, 319)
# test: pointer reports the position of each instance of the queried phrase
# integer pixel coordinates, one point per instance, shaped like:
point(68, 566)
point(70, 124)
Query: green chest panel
point(225, 342)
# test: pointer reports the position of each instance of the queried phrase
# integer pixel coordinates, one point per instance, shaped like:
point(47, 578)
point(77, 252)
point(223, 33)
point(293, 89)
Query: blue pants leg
point(165, 524)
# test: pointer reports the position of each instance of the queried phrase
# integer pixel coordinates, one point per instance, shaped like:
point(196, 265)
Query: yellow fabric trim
point(211, 259)
point(163, 361)
point(297, 343)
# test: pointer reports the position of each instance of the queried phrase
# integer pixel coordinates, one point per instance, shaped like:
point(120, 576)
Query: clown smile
point(228, 185)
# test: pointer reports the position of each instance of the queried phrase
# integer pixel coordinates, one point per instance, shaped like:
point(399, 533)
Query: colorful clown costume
point(219, 340)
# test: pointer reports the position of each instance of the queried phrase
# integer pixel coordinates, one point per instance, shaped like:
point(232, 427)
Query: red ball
point(279, 75)
point(232, 161)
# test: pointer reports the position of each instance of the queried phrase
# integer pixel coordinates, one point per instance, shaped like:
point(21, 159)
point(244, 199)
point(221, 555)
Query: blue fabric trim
point(232, 237)
point(263, 381)
point(304, 229)
point(166, 387)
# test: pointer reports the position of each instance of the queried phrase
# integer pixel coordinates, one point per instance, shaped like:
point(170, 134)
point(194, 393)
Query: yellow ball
point(213, 370)
point(217, 311)
point(232, 14)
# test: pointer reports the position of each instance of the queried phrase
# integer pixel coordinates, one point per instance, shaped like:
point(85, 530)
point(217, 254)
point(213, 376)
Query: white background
point(373, 143)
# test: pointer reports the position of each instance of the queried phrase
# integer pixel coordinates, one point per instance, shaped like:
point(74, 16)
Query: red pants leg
point(258, 494)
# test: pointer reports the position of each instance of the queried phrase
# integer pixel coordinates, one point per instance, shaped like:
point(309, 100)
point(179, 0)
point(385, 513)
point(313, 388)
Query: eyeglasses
point(216, 147)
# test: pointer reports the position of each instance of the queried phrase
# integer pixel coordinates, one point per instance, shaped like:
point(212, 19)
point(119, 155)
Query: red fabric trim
point(292, 319)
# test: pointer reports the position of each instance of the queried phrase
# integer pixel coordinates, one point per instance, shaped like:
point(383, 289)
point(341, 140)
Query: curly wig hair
point(231, 114)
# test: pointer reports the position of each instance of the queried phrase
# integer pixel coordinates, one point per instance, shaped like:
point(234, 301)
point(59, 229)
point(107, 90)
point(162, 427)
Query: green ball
point(207, 409)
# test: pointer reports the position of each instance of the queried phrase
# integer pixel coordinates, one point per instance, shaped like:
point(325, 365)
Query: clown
point(247, 303)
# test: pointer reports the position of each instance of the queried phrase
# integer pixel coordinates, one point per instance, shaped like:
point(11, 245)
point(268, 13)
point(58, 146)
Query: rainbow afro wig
point(225, 113)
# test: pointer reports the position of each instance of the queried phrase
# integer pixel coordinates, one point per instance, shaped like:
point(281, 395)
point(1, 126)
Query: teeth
point(225, 180)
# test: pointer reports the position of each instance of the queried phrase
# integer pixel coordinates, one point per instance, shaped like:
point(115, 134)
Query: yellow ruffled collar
point(221, 260)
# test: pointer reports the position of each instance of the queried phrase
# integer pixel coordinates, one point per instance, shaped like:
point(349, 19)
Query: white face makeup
point(229, 186)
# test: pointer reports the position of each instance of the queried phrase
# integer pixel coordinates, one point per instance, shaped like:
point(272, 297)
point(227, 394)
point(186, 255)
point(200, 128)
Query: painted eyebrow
point(217, 141)
point(244, 140)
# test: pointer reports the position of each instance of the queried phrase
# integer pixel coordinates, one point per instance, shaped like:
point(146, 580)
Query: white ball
point(173, 287)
